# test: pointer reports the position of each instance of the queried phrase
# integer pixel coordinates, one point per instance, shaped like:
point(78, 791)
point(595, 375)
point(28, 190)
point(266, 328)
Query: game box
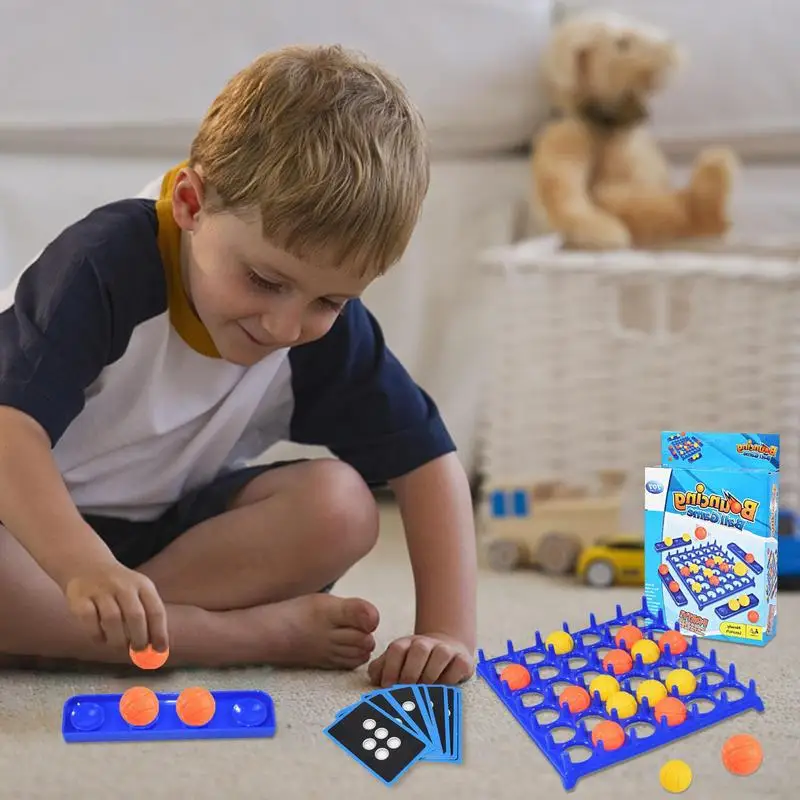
point(711, 546)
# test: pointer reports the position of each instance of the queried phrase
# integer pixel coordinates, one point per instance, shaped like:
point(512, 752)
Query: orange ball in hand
point(195, 706)
point(138, 706)
point(148, 658)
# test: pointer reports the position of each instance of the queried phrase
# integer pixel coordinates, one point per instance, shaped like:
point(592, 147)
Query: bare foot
point(316, 630)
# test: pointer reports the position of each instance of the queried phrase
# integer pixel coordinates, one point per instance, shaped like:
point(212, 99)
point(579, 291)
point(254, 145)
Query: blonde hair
point(327, 146)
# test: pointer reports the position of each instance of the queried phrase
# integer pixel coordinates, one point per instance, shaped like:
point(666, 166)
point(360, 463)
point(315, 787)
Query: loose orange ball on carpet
point(576, 698)
point(196, 706)
point(620, 662)
point(742, 754)
point(148, 658)
point(516, 676)
point(610, 733)
point(670, 710)
point(627, 636)
point(138, 706)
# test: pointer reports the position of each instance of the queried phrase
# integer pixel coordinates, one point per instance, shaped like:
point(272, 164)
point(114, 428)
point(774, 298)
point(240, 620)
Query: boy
point(157, 345)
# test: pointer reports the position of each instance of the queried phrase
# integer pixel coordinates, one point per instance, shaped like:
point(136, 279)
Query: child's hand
point(430, 658)
point(119, 606)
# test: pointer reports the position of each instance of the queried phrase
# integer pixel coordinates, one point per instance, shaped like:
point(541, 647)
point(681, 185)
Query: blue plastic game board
point(560, 734)
point(239, 714)
point(728, 583)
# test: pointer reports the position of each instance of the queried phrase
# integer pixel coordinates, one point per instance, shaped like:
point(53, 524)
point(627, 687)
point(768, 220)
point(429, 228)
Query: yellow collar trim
point(181, 314)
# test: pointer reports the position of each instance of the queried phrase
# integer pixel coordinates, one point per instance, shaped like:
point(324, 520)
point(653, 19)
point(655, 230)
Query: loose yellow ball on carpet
point(676, 776)
point(560, 641)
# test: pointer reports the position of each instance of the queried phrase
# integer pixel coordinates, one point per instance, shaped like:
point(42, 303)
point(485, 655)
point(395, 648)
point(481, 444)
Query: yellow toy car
point(617, 560)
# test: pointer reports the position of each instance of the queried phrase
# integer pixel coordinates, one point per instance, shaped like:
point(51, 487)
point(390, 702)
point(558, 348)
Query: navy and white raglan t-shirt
point(99, 344)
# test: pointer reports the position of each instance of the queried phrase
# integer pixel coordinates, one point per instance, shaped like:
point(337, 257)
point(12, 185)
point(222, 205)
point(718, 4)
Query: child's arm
point(436, 507)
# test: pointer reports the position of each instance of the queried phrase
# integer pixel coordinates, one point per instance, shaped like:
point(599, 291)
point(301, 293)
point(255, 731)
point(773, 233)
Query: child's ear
point(187, 198)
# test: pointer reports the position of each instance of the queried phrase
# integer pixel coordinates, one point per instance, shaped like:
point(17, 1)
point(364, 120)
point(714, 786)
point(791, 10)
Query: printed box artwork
point(711, 546)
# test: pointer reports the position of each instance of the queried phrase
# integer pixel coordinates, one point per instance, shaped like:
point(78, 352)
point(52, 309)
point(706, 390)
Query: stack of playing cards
point(389, 730)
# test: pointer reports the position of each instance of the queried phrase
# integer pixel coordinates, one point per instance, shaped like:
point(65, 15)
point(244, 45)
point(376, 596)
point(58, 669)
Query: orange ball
point(714, 580)
point(710, 562)
point(138, 706)
point(677, 643)
point(148, 658)
point(752, 616)
point(673, 586)
point(620, 662)
point(627, 636)
point(742, 754)
point(749, 558)
point(663, 569)
point(700, 533)
point(686, 572)
point(670, 710)
point(735, 507)
point(576, 698)
point(196, 706)
point(610, 733)
point(516, 676)
point(724, 567)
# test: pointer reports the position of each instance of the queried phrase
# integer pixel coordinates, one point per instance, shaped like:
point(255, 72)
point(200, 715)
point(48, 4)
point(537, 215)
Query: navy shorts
point(134, 543)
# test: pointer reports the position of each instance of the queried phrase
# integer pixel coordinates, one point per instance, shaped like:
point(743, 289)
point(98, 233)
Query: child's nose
point(284, 326)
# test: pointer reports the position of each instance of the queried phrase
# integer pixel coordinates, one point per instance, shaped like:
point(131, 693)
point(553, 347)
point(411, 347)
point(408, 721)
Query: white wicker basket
point(597, 353)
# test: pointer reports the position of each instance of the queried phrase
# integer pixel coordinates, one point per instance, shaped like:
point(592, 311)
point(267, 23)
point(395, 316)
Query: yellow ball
point(681, 679)
point(693, 568)
point(653, 690)
point(696, 587)
point(606, 685)
point(687, 537)
point(740, 569)
point(676, 776)
point(733, 604)
point(624, 703)
point(708, 572)
point(744, 601)
point(668, 542)
point(717, 559)
point(647, 649)
point(560, 641)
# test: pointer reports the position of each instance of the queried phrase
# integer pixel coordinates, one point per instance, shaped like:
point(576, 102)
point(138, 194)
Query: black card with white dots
point(376, 741)
point(390, 730)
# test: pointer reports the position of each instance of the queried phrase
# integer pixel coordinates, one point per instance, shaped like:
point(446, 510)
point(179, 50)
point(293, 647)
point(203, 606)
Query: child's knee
point(345, 507)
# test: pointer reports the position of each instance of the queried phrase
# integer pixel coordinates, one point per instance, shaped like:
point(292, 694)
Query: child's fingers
point(440, 659)
point(458, 670)
point(135, 619)
point(395, 657)
point(416, 659)
point(375, 669)
point(111, 620)
point(86, 611)
point(156, 618)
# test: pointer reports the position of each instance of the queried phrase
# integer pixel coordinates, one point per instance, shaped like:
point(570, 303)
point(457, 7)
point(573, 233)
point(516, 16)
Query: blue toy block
point(729, 585)
point(716, 686)
point(726, 612)
point(240, 714)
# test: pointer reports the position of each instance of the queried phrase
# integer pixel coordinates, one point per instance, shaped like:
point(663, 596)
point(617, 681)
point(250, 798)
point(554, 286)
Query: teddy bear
point(600, 179)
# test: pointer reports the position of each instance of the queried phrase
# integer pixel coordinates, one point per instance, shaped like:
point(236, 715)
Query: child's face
point(253, 297)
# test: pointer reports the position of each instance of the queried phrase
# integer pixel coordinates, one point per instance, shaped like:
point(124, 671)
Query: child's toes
point(356, 613)
point(350, 637)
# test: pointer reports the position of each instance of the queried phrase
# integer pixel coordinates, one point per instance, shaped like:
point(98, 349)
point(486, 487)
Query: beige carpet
point(499, 760)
